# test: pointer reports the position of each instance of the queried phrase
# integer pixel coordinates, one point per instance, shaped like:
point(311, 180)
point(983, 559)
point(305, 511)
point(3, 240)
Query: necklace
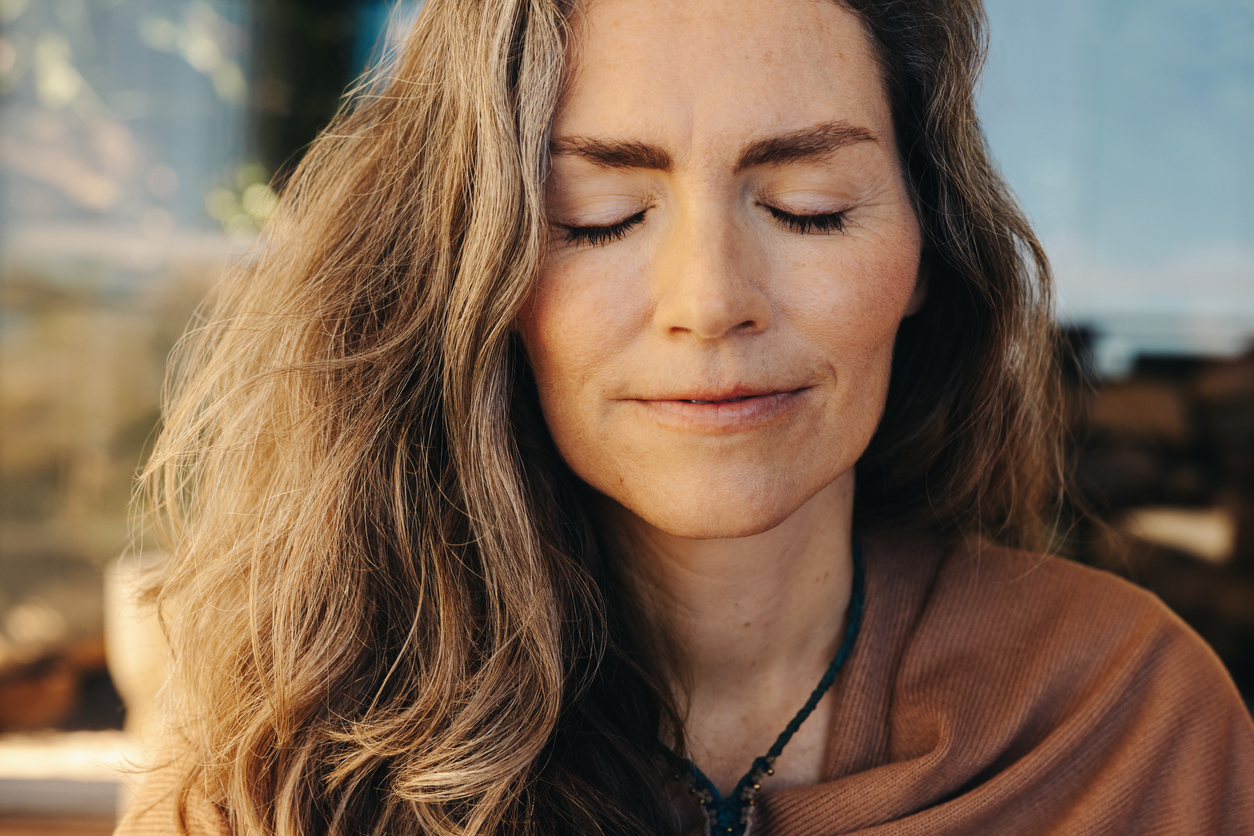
point(730, 816)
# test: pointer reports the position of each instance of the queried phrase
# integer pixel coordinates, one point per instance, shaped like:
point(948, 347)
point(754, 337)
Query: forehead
point(688, 73)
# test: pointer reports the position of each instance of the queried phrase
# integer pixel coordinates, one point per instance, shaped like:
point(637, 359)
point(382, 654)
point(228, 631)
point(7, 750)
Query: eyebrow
point(811, 143)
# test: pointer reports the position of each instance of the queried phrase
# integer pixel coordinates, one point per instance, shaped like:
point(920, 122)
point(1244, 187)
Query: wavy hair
point(385, 595)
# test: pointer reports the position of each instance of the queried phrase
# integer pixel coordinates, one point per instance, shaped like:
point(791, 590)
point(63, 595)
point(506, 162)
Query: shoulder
point(159, 808)
point(1039, 614)
point(1061, 635)
point(1013, 601)
point(993, 691)
point(1034, 614)
point(1044, 667)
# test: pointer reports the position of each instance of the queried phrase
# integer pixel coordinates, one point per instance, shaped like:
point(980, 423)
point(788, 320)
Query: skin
point(695, 275)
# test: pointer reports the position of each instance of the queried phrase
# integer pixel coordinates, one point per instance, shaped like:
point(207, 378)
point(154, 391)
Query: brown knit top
point(994, 692)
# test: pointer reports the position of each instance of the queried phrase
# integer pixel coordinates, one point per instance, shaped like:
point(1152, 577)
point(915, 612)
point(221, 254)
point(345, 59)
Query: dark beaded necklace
point(730, 816)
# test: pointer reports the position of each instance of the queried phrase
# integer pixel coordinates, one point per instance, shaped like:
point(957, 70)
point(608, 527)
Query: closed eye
point(597, 236)
point(825, 223)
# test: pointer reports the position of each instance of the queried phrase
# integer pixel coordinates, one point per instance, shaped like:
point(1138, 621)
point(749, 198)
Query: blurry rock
point(51, 639)
point(1206, 533)
point(1116, 476)
point(1243, 553)
point(1230, 381)
point(37, 696)
point(1187, 484)
point(50, 606)
point(1226, 402)
point(1141, 411)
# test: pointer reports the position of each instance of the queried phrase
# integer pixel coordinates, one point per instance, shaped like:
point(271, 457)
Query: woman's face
point(733, 250)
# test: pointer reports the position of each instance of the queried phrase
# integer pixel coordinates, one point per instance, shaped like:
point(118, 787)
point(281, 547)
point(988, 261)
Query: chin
point(695, 528)
point(717, 515)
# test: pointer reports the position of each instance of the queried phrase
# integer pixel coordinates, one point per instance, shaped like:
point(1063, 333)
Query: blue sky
point(1126, 127)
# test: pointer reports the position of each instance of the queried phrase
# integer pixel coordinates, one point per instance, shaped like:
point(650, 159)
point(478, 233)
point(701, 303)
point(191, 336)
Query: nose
point(708, 280)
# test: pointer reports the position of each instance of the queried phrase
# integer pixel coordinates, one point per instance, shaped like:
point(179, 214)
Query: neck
point(752, 621)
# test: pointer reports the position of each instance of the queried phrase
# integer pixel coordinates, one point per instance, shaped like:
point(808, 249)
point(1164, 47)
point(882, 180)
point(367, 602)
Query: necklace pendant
point(732, 816)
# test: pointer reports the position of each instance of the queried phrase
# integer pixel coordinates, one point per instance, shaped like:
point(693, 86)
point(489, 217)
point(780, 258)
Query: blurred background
point(140, 141)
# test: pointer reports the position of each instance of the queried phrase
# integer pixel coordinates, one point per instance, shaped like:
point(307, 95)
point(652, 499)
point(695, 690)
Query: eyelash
point(598, 236)
point(802, 224)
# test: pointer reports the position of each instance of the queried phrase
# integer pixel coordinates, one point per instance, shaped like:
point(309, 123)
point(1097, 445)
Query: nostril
point(710, 304)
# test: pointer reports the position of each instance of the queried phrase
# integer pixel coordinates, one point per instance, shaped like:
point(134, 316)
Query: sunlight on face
point(733, 250)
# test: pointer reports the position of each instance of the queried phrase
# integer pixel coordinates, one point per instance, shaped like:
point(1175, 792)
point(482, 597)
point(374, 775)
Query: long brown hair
point(970, 439)
point(385, 595)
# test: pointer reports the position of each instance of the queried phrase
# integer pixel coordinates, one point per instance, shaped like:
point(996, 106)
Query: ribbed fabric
point(994, 692)
point(1001, 694)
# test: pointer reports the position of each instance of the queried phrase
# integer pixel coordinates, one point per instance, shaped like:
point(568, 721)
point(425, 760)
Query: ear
point(920, 287)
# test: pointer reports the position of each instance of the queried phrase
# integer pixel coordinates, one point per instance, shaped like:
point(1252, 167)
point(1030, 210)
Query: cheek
point(849, 301)
point(574, 325)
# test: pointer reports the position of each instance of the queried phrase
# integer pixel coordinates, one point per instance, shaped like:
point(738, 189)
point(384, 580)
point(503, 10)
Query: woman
point(612, 377)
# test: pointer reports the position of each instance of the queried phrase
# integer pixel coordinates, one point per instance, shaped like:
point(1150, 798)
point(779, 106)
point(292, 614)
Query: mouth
point(731, 395)
point(722, 412)
point(723, 400)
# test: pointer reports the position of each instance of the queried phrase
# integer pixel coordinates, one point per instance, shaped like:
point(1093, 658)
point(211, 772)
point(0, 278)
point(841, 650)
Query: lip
point(728, 410)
